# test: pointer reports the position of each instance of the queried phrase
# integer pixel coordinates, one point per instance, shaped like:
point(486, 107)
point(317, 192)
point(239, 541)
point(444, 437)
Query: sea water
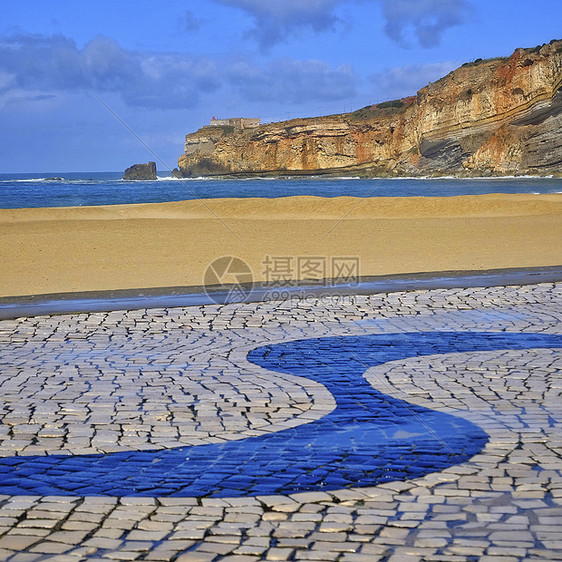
point(107, 188)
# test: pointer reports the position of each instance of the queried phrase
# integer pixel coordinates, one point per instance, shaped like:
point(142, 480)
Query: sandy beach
point(60, 250)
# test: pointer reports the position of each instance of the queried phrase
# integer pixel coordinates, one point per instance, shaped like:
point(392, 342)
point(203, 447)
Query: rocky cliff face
point(494, 117)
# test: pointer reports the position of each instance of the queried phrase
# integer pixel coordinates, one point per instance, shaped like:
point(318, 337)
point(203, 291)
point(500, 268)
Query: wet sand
point(61, 250)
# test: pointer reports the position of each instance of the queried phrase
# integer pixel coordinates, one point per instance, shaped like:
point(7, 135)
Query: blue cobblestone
point(355, 445)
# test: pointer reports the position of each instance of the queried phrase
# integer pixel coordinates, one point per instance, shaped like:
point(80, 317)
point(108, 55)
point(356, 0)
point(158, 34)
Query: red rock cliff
point(493, 117)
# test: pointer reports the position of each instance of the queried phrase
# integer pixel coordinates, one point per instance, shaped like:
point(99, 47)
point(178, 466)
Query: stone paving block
point(17, 542)
point(173, 378)
point(27, 557)
point(279, 554)
point(46, 547)
point(103, 543)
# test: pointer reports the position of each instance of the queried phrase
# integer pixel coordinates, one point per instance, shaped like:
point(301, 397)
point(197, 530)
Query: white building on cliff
point(236, 122)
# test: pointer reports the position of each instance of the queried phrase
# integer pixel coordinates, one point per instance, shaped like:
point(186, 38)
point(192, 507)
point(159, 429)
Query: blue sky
point(165, 68)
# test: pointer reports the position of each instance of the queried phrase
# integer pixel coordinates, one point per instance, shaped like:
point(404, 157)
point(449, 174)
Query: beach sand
point(60, 250)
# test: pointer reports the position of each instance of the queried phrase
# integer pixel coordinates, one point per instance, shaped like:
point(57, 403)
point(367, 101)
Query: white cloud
point(294, 81)
point(422, 21)
point(7, 79)
point(190, 22)
point(50, 65)
point(406, 21)
point(403, 81)
point(142, 79)
point(275, 20)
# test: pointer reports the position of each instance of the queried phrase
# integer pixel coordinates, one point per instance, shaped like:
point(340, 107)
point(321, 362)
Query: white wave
point(465, 178)
point(500, 178)
point(200, 178)
point(27, 180)
point(339, 178)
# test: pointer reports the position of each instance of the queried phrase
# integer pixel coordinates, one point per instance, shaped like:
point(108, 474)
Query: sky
point(98, 85)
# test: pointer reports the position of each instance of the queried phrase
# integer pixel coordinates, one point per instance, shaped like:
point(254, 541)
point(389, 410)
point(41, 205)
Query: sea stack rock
point(141, 172)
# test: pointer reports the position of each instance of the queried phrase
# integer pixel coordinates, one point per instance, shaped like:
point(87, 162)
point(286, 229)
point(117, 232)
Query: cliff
point(493, 117)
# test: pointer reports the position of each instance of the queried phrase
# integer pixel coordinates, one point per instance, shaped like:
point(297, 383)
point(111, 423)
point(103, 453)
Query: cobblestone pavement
point(422, 425)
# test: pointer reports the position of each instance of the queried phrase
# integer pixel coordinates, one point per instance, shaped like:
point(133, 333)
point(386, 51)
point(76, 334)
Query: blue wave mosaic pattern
point(369, 438)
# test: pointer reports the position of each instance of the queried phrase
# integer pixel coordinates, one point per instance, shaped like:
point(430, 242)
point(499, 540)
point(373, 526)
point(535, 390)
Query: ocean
point(107, 188)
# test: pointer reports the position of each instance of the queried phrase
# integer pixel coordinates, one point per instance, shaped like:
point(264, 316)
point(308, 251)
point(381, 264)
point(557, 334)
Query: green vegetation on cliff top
point(372, 111)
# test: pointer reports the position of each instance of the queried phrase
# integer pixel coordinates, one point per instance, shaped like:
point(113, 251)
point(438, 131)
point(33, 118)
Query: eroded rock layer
point(494, 117)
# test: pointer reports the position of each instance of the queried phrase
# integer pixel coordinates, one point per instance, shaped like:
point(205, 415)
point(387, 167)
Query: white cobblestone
point(163, 378)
